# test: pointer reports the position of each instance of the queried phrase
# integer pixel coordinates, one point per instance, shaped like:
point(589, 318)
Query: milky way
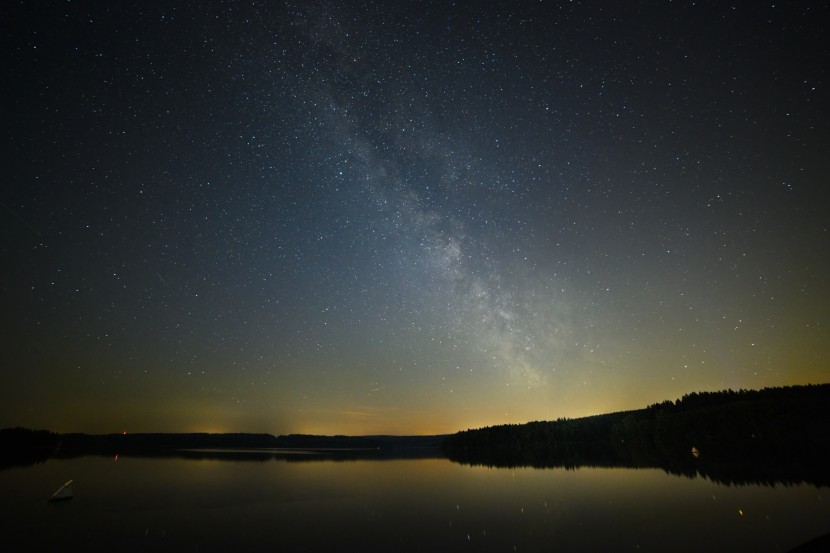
point(407, 218)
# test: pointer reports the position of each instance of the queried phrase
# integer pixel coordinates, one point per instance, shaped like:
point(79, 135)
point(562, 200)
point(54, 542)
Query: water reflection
point(767, 471)
point(760, 472)
point(288, 455)
point(208, 503)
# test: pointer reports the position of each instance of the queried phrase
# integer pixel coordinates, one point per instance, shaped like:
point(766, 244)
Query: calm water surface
point(170, 504)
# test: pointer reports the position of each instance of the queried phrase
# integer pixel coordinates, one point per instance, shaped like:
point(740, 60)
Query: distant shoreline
point(24, 447)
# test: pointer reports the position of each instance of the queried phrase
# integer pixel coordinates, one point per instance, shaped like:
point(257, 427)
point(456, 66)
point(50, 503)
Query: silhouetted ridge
point(771, 435)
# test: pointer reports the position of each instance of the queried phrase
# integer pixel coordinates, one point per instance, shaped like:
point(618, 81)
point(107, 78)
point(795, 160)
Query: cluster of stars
point(283, 206)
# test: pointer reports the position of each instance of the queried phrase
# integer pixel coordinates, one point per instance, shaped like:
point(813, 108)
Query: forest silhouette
point(769, 436)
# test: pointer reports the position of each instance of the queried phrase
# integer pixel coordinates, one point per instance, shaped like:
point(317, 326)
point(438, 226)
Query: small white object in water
point(64, 492)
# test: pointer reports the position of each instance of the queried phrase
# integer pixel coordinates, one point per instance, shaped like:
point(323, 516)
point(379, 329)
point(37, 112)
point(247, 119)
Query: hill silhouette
point(768, 436)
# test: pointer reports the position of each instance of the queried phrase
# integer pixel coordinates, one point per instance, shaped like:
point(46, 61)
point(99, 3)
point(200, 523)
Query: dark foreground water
point(174, 504)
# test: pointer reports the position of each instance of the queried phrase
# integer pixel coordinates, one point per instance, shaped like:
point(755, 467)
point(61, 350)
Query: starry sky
point(340, 217)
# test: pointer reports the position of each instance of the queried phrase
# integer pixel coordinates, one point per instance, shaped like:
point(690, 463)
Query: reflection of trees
point(777, 435)
point(22, 447)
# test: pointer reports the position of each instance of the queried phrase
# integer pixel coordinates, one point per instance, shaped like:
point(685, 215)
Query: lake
point(422, 504)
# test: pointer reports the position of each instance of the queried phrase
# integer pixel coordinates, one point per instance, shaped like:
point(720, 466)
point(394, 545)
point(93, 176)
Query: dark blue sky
point(330, 217)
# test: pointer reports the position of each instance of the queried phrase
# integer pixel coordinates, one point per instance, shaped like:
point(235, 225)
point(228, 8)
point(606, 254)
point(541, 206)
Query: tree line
point(770, 435)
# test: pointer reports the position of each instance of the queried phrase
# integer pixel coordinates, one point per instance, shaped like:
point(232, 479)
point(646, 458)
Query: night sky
point(407, 217)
